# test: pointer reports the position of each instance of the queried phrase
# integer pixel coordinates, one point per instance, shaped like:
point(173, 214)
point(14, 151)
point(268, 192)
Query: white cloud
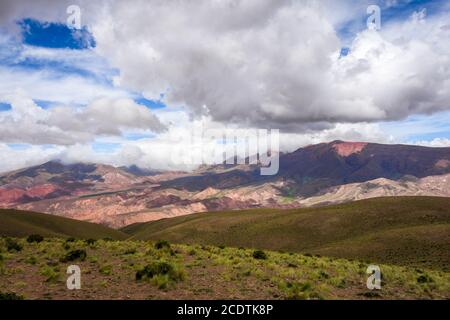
point(437, 142)
point(28, 123)
point(279, 68)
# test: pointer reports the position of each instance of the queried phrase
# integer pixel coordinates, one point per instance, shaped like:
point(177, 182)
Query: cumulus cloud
point(28, 123)
point(437, 142)
point(275, 63)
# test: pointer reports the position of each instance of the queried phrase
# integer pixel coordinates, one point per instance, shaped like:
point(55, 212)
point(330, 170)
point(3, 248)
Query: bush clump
point(90, 242)
point(10, 296)
point(12, 245)
point(106, 270)
point(37, 238)
point(424, 278)
point(161, 273)
point(161, 244)
point(259, 254)
point(51, 274)
point(73, 255)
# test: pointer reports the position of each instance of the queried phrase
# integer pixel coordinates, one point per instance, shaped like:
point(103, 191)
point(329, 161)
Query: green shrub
point(161, 244)
point(74, 255)
point(259, 254)
point(129, 251)
point(35, 238)
point(301, 291)
point(31, 260)
point(12, 245)
point(106, 270)
point(160, 268)
point(70, 239)
point(10, 296)
point(90, 242)
point(50, 273)
point(424, 278)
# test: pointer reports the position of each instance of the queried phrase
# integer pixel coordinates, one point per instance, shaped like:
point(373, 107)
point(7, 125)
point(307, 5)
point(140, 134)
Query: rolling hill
point(16, 223)
point(399, 230)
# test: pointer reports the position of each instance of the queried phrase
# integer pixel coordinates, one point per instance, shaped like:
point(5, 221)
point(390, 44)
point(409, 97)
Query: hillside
point(145, 270)
point(400, 230)
point(17, 223)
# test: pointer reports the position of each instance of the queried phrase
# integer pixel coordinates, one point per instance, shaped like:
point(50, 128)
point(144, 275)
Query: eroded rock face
point(344, 149)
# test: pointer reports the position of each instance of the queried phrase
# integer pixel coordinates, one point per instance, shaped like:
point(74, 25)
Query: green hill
point(400, 230)
point(16, 223)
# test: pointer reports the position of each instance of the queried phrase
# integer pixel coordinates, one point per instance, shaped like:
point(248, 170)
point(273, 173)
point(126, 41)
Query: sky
point(136, 77)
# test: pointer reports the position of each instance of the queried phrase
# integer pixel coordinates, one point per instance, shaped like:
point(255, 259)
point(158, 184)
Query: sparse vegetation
point(317, 253)
point(35, 238)
point(10, 296)
point(259, 254)
point(379, 229)
point(13, 245)
point(79, 254)
point(204, 272)
point(161, 273)
point(161, 244)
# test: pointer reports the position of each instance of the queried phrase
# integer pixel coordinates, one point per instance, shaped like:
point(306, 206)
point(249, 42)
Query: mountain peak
point(345, 149)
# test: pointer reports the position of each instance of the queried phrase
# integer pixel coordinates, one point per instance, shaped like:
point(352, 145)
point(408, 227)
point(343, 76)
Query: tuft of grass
point(52, 274)
point(161, 273)
point(74, 255)
point(161, 244)
point(35, 238)
point(13, 245)
point(90, 242)
point(259, 254)
point(106, 270)
point(10, 296)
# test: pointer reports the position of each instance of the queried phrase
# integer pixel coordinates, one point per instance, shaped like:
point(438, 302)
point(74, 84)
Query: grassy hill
point(16, 223)
point(399, 230)
point(145, 270)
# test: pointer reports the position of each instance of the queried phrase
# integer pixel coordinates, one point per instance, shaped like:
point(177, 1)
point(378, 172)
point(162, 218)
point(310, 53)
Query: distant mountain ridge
point(318, 174)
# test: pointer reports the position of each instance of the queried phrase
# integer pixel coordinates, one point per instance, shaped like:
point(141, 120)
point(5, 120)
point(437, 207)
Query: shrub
point(129, 251)
point(160, 268)
point(10, 296)
point(51, 273)
point(74, 255)
point(424, 278)
point(90, 242)
point(70, 239)
point(259, 254)
point(106, 270)
point(301, 291)
point(161, 244)
point(35, 238)
point(13, 245)
point(31, 260)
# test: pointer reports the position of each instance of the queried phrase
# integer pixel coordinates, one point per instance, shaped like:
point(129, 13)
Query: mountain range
point(316, 175)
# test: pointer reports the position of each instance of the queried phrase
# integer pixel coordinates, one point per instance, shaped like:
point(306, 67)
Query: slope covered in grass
point(402, 230)
point(16, 223)
point(146, 270)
